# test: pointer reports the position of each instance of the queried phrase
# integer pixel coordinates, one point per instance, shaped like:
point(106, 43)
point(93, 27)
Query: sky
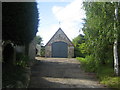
point(68, 13)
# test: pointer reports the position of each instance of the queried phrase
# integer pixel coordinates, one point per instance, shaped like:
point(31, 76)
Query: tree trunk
point(115, 46)
point(116, 68)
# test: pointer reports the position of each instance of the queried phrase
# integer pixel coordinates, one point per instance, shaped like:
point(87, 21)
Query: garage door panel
point(59, 50)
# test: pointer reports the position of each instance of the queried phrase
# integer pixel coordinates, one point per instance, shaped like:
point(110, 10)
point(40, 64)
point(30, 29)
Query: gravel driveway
point(61, 73)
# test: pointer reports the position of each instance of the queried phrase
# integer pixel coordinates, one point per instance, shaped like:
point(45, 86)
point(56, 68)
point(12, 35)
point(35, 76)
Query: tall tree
point(79, 44)
point(99, 29)
point(115, 46)
point(19, 22)
point(38, 39)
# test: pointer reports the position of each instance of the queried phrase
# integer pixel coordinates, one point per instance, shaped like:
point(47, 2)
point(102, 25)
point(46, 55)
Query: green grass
point(113, 82)
point(104, 73)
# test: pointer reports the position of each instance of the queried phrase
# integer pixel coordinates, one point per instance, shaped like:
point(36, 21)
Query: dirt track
point(61, 73)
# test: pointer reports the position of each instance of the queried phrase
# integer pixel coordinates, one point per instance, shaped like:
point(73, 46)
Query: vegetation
point(105, 73)
point(19, 24)
point(99, 30)
point(79, 44)
point(38, 39)
point(102, 42)
point(14, 75)
point(22, 60)
point(42, 51)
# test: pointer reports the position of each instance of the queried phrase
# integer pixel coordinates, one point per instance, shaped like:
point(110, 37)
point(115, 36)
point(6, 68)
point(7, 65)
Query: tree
point(38, 39)
point(78, 40)
point(19, 22)
point(99, 29)
point(115, 46)
point(79, 43)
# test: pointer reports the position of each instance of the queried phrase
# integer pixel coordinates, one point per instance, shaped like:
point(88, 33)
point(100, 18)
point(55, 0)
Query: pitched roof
point(56, 33)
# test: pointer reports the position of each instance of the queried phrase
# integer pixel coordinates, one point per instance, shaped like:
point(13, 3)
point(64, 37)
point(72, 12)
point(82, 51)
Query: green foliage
point(107, 77)
point(99, 39)
point(11, 74)
point(88, 63)
point(20, 22)
point(82, 61)
point(22, 60)
point(79, 46)
point(104, 73)
point(99, 30)
point(113, 82)
point(82, 48)
point(38, 39)
point(78, 40)
point(42, 51)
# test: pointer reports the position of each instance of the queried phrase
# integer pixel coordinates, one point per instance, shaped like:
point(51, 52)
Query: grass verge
point(104, 73)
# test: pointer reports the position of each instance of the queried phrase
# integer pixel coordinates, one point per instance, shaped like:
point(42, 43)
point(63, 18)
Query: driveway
point(61, 73)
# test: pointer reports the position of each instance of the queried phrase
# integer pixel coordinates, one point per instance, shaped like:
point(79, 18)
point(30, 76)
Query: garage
point(59, 46)
point(59, 49)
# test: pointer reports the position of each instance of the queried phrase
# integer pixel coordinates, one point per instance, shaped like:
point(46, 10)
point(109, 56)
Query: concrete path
point(61, 73)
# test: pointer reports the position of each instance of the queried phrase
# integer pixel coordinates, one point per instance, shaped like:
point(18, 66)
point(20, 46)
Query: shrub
point(11, 75)
point(88, 63)
point(91, 64)
point(14, 75)
point(105, 73)
point(22, 60)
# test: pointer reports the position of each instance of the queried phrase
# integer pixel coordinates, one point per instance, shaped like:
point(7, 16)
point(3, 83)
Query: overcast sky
point(70, 14)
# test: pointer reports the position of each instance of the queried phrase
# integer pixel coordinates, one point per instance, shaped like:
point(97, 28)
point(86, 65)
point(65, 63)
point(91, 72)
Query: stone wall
point(47, 51)
point(70, 51)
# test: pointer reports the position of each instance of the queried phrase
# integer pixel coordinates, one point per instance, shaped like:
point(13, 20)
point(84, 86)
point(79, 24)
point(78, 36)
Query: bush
point(82, 60)
point(105, 73)
point(88, 63)
point(42, 51)
point(22, 60)
point(78, 53)
point(13, 75)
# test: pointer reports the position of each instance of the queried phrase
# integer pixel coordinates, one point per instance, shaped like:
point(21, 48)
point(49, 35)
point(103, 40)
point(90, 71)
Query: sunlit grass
point(113, 82)
point(104, 73)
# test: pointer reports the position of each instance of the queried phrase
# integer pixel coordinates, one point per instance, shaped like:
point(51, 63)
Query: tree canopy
point(38, 39)
point(99, 29)
point(19, 21)
point(79, 44)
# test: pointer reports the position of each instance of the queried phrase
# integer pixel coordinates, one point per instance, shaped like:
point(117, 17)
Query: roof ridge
point(56, 33)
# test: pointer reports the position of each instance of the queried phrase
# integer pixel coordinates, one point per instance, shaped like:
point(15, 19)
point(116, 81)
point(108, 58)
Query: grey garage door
point(59, 50)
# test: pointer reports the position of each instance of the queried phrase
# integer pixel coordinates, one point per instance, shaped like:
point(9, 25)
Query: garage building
point(59, 46)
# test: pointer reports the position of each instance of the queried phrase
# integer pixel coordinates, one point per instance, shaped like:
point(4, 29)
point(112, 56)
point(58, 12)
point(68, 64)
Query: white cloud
point(47, 32)
point(72, 12)
point(70, 17)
